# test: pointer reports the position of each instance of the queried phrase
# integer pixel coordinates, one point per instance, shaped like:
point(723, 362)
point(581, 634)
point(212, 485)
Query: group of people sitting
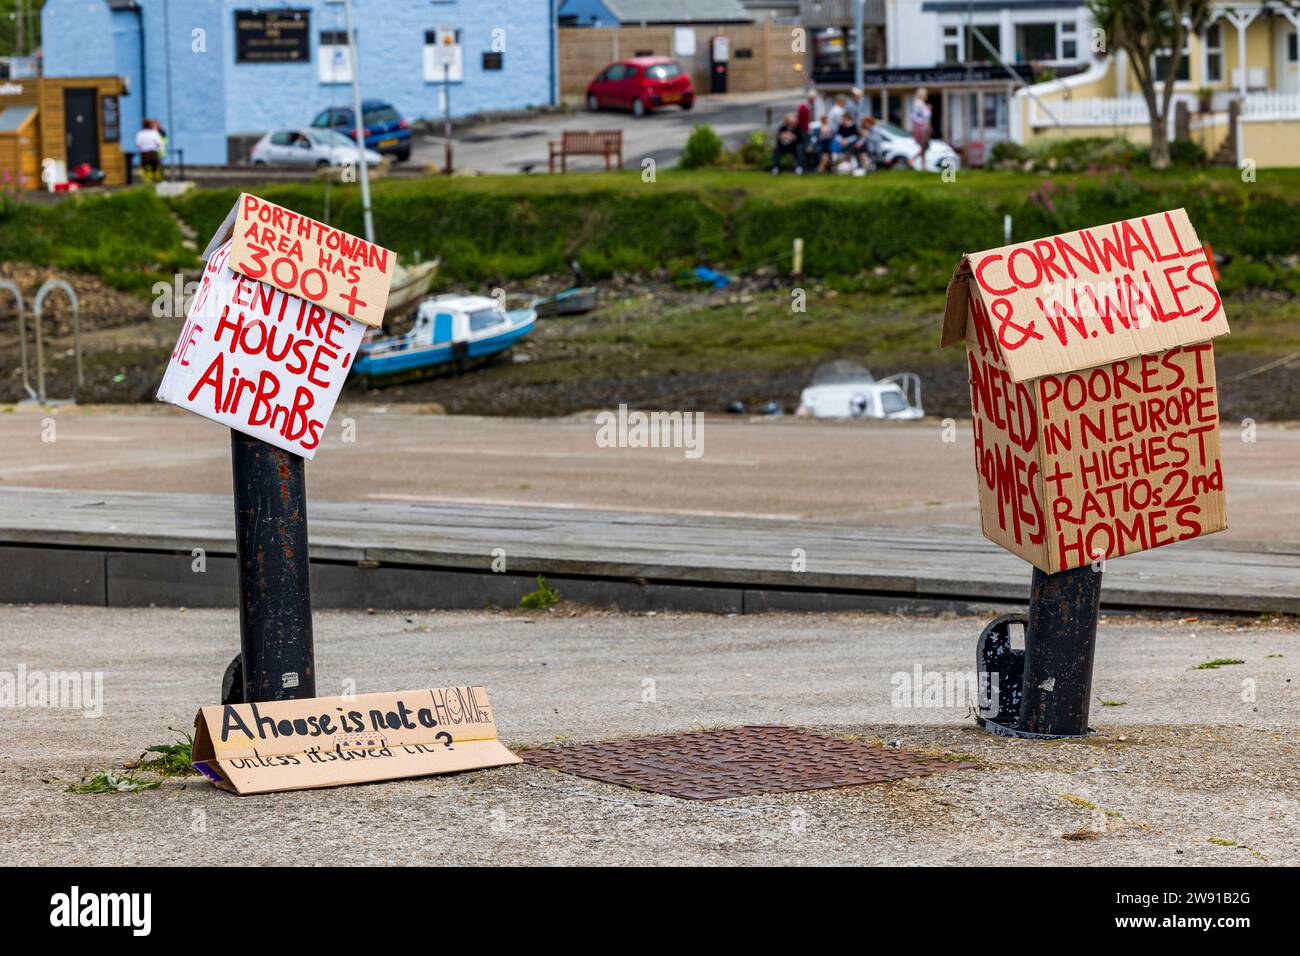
point(840, 141)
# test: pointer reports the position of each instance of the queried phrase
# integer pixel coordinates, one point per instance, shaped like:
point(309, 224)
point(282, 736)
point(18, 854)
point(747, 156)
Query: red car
point(641, 84)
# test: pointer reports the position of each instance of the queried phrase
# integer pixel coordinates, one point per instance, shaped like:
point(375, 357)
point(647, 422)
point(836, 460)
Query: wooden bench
point(592, 142)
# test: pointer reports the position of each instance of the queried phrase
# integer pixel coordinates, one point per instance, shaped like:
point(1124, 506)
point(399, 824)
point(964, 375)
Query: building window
point(830, 51)
point(983, 43)
point(1184, 65)
point(443, 57)
point(951, 44)
point(492, 60)
point(335, 58)
point(1035, 41)
point(990, 108)
point(1069, 42)
point(1213, 53)
point(1292, 48)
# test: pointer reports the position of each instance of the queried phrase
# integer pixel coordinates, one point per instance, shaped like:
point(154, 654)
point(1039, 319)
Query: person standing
point(920, 122)
point(854, 105)
point(805, 114)
point(148, 143)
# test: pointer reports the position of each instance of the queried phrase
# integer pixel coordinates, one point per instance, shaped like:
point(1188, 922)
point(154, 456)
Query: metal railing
point(37, 394)
point(1271, 104)
point(1124, 111)
point(1132, 110)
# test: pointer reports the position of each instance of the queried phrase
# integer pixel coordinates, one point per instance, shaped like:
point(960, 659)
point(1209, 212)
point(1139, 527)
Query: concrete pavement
point(892, 474)
point(1193, 766)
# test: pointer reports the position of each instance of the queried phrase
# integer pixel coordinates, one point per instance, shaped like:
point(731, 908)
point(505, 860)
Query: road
point(894, 474)
point(510, 146)
point(1187, 757)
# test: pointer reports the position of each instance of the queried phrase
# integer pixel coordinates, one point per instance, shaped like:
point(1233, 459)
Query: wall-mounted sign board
point(272, 36)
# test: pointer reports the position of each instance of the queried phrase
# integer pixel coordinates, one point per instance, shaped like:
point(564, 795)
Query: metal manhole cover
point(739, 762)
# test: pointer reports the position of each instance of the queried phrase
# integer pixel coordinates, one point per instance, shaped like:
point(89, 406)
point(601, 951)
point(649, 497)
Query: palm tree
point(1145, 30)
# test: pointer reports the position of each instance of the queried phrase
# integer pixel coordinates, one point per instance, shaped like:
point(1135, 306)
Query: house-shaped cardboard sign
point(275, 324)
point(330, 741)
point(1095, 410)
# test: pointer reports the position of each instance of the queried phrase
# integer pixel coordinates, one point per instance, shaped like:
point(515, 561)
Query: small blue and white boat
point(448, 329)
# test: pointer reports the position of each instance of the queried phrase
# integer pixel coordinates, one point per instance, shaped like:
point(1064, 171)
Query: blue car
point(386, 131)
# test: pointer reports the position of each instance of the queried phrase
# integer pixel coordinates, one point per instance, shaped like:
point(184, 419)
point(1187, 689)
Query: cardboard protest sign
point(308, 259)
point(1093, 396)
point(259, 360)
point(331, 741)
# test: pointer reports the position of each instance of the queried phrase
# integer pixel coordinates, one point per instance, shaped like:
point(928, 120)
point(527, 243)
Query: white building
point(972, 55)
point(1033, 39)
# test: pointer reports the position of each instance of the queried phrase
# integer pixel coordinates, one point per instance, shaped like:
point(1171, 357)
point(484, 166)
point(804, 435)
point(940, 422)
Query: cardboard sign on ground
point(308, 259)
point(259, 360)
point(331, 741)
point(1093, 396)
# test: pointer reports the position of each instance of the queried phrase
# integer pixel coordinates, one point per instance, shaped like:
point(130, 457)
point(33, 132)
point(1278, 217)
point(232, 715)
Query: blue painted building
point(217, 71)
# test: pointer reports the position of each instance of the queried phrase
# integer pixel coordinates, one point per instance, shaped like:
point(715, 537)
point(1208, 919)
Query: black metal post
point(446, 119)
point(1060, 638)
point(278, 660)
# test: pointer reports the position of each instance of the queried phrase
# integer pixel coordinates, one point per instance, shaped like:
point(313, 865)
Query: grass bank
point(129, 238)
point(512, 227)
point(493, 227)
point(879, 252)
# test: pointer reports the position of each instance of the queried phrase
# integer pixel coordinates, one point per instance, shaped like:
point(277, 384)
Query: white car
point(847, 390)
point(308, 147)
point(897, 150)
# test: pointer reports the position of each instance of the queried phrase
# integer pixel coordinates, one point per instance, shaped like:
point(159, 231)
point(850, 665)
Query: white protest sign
point(259, 360)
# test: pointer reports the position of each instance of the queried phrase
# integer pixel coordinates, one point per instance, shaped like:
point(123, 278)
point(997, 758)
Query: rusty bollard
point(277, 658)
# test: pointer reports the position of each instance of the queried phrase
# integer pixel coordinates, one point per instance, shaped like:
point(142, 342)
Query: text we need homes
point(1109, 459)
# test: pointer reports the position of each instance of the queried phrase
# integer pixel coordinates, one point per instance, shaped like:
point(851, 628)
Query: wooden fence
point(763, 55)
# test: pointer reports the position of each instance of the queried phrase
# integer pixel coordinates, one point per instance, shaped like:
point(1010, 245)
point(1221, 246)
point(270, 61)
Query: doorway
point(1287, 57)
point(81, 125)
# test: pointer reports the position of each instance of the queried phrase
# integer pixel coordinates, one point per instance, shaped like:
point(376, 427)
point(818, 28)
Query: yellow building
point(1239, 83)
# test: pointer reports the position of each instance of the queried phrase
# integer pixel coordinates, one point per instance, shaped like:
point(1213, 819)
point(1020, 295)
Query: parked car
point(385, 130)
point(307, 147)
point(641, 84)
point(897, 150)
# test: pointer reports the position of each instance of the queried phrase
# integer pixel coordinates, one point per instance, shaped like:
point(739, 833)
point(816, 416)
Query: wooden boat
point(410, 285)
point(572, 301)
